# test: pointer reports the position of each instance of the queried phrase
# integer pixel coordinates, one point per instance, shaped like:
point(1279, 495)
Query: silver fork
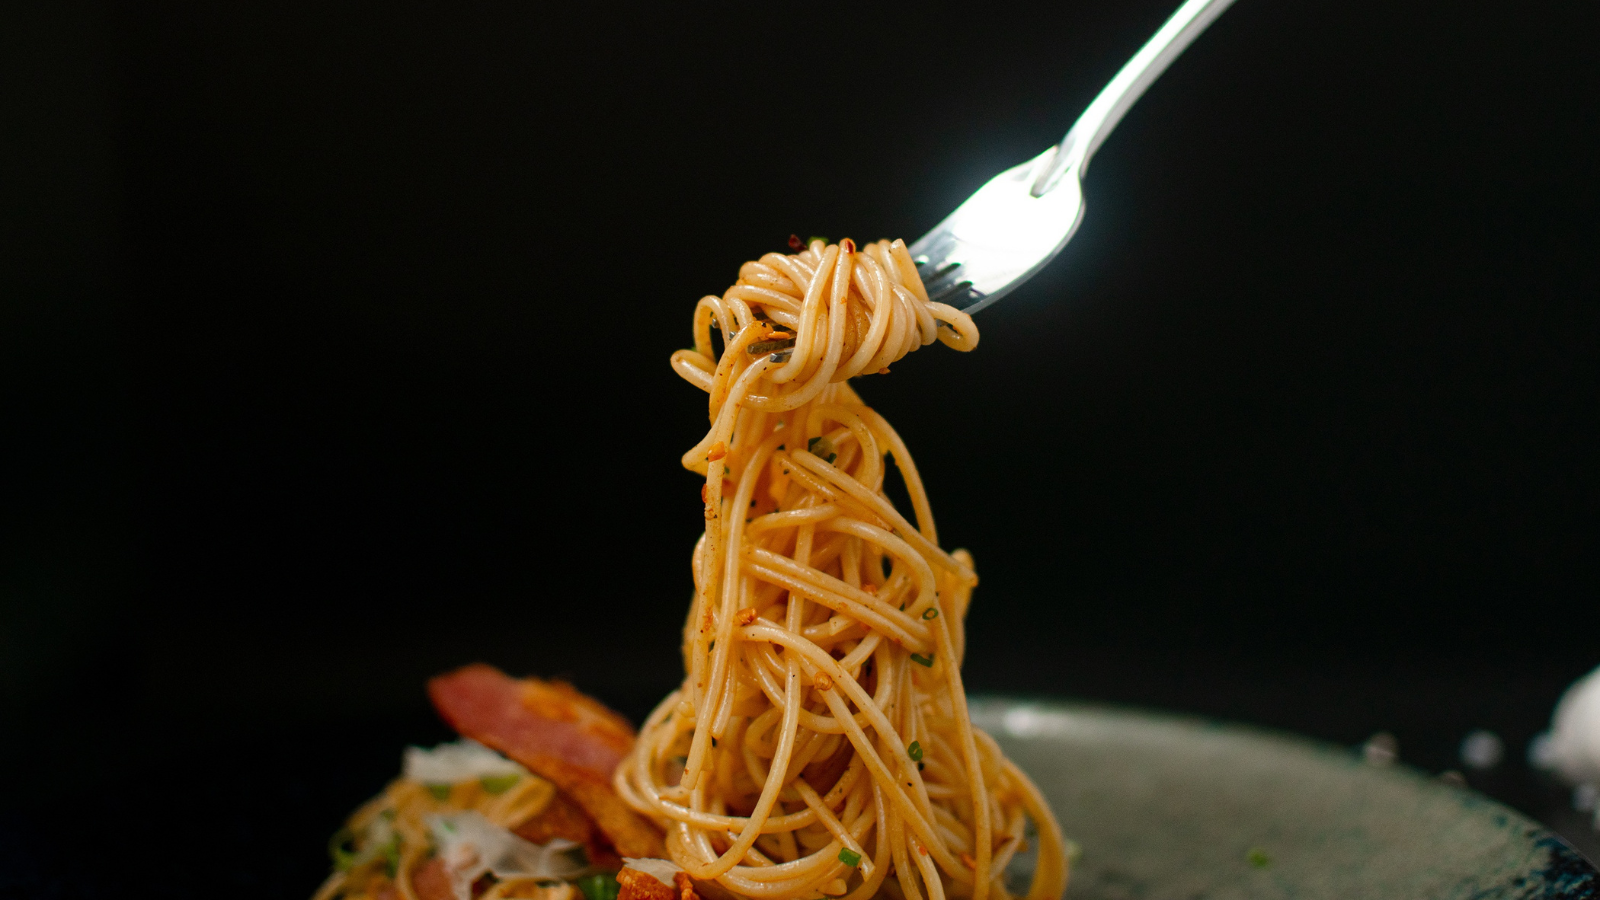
point(1014, 225)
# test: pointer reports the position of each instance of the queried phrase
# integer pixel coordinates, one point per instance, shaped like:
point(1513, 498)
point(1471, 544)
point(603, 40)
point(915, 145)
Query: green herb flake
point(815, 238)
point(499, 784)
point(931, 612)
point(601, 886)
point(915, 751)
point(440, 792)
point(924, 661)
point(849, 857)
point(342, 850)
point(1257, 858)
point(391, 855)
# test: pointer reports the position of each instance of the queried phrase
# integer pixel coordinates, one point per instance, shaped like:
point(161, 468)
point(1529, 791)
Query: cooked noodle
point(820, 743)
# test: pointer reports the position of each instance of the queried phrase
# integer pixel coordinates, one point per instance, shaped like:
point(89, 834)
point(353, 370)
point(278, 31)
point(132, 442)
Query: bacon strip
point(559, 734)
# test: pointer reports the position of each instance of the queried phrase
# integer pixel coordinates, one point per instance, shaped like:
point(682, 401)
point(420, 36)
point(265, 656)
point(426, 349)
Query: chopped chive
point(849, 857)
point(815, 238)
point(440, 792)
point(391, 855)
point(919, 659)
point(915, 751)
point(832, 457)
point(341, 848)
point(499, 784)
point(602, 886)
point(931, 612)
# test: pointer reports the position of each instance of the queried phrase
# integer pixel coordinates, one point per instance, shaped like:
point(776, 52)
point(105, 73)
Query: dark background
point(336, 351)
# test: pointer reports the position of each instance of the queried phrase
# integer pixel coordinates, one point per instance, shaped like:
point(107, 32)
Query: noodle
point(820, 743)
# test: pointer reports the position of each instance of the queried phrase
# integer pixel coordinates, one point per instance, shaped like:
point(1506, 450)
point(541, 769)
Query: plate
point(1166, 807)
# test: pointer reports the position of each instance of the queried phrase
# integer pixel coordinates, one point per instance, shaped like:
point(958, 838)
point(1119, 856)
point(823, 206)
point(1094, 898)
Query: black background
point(336, 356)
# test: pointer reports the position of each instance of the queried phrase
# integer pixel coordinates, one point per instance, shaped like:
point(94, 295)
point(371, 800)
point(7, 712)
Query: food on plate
point(522, 806)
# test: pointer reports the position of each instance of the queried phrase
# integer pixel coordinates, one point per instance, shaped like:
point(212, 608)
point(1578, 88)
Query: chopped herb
point(762, 348)
point(440, 792)
point(391, 855)
point(931, 612)
point(712, 645)
point(849, 857)
point(781, 447)
point(682, 760)
point(713, 742)
point(920, 766)
point(342, 848)
point(499, 784)
point(915, 751)
point(813, 239)
point(822, 448)
point(602, 886)
point(919, 659)
point(1258, 858)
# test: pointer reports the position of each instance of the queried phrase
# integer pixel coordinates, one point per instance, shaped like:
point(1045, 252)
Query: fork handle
point(1128, 86)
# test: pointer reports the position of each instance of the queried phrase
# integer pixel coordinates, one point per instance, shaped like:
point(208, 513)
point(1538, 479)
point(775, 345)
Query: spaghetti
point(820, 744)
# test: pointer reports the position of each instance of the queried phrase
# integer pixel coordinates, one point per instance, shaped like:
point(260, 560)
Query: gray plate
point(1173, 808)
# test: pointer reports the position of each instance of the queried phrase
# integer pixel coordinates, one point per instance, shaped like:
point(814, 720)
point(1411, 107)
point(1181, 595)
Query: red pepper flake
point(848, 245)
point(705, 493)
point(718, 451)
point(823, 682)
point(884, 370)
point(969, 862)
point(795, 243)
point(745, 616)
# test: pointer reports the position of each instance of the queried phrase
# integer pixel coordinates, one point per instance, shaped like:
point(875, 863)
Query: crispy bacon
point(559, 734)
point(431, 881)
point(565, 819)
point(636, 885)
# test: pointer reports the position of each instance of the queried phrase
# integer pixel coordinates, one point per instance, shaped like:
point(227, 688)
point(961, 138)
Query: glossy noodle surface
point(820, 743)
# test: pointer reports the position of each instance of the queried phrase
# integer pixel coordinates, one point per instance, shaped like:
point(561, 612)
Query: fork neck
point(1128, 86)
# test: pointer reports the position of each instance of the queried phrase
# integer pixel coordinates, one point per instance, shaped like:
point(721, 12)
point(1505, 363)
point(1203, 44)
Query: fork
point(1017, 222)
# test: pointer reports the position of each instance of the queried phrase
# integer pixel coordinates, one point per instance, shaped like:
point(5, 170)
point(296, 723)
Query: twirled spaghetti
point(820, 744)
